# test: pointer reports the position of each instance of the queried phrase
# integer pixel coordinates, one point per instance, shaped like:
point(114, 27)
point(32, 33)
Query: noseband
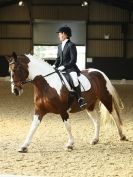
point(21, 82)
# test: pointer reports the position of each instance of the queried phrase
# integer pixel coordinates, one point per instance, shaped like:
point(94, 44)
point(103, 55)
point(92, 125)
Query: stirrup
point(81, 102)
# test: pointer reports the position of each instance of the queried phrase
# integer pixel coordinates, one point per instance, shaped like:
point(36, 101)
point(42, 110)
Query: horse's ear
point(8, 58)
point(14, 55)
point(11, 59)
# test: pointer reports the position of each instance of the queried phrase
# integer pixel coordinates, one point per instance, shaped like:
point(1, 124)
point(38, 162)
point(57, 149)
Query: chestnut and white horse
point(51, 95)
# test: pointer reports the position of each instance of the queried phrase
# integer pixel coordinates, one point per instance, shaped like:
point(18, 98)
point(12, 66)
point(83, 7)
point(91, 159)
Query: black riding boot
point(80, 99)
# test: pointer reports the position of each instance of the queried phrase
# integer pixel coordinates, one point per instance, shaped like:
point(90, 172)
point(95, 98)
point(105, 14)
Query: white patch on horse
point(71, 139)
point(39, 67)
point(12, 84)
point(109, 86)
point(34, 126)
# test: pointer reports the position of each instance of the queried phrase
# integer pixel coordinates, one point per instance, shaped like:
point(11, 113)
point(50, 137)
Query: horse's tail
point(117, 103)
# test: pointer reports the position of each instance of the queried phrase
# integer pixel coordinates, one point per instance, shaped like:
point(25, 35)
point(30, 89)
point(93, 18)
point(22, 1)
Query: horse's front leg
point(66, 120)
point(35, 123)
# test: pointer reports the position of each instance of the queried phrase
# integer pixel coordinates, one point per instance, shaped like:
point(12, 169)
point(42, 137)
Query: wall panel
point(102, 12)
point(15, 30)
point(105, 48)
point(98, 31)
point(14, 13)
point(73, 13)
point(7, 46)
point(60, 12)
point(130, 49)
point(43, 12)
point(102, 19)
point(130, 31)
point(131, 16)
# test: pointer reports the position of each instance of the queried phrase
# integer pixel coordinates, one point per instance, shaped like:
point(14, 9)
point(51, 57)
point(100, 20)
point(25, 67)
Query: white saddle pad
point(85, 83)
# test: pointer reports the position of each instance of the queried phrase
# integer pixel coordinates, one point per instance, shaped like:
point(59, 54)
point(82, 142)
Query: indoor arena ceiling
point(126, 4)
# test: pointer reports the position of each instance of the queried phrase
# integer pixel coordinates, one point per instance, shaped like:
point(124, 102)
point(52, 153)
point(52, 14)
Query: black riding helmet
point(67, 30)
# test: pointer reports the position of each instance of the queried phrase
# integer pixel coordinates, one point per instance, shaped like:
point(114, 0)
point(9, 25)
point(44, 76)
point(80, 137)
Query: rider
point(67, 58)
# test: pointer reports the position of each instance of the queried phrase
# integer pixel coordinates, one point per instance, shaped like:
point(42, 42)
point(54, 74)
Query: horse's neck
point(39, 68)
point(40, 85)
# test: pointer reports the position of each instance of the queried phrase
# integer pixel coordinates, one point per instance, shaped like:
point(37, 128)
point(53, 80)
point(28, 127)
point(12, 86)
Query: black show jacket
point(67, 57)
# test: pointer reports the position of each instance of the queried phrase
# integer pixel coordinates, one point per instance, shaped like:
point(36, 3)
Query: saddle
point(69, 83)
point(83, 81)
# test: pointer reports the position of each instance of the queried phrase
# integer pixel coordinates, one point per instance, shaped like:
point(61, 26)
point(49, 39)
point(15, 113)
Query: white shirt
point(63, 43)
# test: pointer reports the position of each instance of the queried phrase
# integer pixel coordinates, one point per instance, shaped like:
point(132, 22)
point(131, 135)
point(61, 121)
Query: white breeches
point(74, 78)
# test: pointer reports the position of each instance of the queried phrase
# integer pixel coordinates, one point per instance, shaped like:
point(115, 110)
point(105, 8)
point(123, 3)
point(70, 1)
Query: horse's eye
point(14, 69)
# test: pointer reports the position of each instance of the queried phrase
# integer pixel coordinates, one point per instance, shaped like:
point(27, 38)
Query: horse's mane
point(34, 58)
point(40, 62)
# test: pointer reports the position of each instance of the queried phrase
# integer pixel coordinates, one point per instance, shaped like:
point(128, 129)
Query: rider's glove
point(61, 68)
point(53, 66)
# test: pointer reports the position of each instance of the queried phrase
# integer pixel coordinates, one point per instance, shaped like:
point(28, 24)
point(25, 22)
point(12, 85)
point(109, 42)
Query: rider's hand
point(61, 68)
point(53, 66)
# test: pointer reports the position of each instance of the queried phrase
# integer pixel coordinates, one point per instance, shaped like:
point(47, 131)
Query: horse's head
point(18, 67)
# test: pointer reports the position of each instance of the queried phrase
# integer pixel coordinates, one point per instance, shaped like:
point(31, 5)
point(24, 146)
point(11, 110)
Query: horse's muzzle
point(17, 91)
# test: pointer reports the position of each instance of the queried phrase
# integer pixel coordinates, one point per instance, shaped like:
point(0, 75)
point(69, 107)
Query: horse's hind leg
point(118, 125)
point(111, 109)
point(35, 123)
point(70, 143)
point(96, 122)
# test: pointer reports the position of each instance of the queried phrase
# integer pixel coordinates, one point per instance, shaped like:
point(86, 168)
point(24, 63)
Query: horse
point(51, 95)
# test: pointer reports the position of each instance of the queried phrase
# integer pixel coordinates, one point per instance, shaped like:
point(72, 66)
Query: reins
point(30, 80)
point(56, 71)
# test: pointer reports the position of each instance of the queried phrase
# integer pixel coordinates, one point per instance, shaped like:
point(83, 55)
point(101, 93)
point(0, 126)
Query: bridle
point(22, 82)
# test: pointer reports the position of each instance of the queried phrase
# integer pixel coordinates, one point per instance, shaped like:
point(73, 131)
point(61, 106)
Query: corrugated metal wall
point(60, 12)
point(18, 37)
point(10, 45)
point(15, 32)
point(98, 31)
point(14, 13)
point(105, 48)
point(107, 20)
point(102, 12)
point(97, 14)
point(130, 42)
point(99, 47)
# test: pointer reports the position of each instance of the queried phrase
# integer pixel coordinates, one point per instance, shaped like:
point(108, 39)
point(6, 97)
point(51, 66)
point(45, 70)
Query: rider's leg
point(77, 89)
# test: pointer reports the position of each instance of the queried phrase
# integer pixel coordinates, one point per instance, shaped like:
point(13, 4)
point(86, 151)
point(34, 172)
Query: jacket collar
point(65, 47)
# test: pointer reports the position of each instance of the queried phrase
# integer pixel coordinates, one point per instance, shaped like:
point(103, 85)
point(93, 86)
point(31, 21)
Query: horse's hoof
point(94, 141)
point(23, 150)
point(123, 138)
point(69, 147)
